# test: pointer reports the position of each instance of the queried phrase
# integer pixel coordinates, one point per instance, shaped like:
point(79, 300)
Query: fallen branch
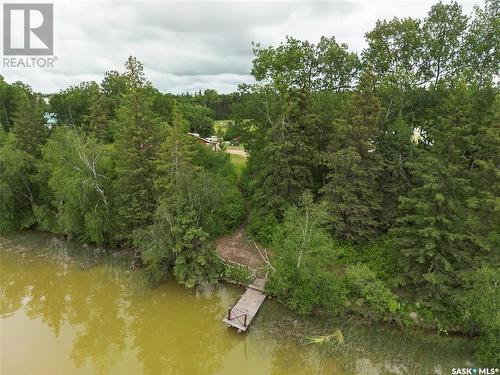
point(264, 256)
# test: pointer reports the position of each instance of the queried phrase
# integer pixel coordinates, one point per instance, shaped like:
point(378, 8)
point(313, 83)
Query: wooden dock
point(241, 315)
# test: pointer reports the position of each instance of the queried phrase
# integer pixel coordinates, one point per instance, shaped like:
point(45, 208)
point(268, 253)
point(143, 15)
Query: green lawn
point(239, 163)
point(221, 125)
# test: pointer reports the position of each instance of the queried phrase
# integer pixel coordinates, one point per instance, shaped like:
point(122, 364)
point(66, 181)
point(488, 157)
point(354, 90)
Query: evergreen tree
point(97, 121)
point(10, 96)
point(176, 155)
point(29, 131)
point(395, 146)
point(448, 220)
point(176, 242)
point(354, 164)
point(18, 158)
point(137, 145)
point(286, 159)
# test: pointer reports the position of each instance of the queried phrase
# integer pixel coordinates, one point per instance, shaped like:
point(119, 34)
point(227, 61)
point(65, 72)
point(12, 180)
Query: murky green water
point(70, 309)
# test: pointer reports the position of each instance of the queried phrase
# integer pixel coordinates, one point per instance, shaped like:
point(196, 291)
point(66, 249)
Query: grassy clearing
point(221, 126)
point(239, 163)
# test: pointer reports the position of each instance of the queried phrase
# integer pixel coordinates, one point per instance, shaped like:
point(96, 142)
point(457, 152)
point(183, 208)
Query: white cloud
point(191, 45)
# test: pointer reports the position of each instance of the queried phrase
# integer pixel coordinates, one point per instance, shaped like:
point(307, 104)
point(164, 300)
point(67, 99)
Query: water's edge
point(31, 261)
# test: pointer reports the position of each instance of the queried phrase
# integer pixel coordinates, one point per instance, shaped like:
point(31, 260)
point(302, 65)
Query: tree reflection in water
point(113, 311)
point(91, 313)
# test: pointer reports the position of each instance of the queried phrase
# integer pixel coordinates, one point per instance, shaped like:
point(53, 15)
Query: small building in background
point(212, 141)
point(50, 119)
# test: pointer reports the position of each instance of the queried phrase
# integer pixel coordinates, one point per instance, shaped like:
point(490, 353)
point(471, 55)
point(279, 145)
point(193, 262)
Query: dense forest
point(372, 178)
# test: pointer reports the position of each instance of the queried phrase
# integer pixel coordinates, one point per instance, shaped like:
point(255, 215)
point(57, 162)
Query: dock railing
point(242, 315)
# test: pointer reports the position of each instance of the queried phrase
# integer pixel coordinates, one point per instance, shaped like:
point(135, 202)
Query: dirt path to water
point(238, 248)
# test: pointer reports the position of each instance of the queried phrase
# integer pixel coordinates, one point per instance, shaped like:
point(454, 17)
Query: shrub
point(232, 209)
point(304, 291)
point(214, 162)
point(381, 258)
point(235, 273)
point(375, 299)
point(479, 309)
point(262, 225)
point(296, 288)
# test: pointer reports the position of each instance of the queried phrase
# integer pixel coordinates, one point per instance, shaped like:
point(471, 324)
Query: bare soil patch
point(236, 151)
point(238, 248)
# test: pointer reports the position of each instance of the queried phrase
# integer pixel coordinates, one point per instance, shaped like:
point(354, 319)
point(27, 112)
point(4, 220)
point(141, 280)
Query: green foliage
point(381, 257)
point(442, 230)
point(378, 255)
point(17, 188)
point(137, 147)
point(302, 248)
point(29, 131)
point(301, 237)
point(18, 155)
point(195, 205)
point(442, 33)
point(231, 210)
point(353, 167)
point(400, 146)
point(10, 95)
point(200, 119)
point(214, 162)
point(351, 196)
point(236, 274)
point(374, 298)
point(176, 241)
point(479, 309)
point(482, 40)
point(238, 163)
point(298, 289)
point(391, 50)
point(220, 104)
point(305, 290)
point(197, 200)
point(261, 226)
point(3, 137)
point(78, 172)
point(175, 156)
point(71, 106)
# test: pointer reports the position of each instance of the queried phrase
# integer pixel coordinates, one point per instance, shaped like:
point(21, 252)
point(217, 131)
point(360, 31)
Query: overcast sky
point(187, 46)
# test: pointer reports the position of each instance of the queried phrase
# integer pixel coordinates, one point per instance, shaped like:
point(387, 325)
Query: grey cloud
point(187, 46)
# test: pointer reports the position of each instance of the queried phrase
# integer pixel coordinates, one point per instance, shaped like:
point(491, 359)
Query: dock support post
point(229, 313)
point(245, 320)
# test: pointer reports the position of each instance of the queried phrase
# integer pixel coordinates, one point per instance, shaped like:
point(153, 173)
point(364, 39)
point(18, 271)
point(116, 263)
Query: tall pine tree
point(448, 218)
point(18, 157)
point(138, 141)
point(354, 164)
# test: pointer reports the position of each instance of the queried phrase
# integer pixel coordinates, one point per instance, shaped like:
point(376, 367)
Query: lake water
point(71, 309)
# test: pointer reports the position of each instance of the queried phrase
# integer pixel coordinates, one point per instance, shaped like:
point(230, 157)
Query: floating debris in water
point(337, 335)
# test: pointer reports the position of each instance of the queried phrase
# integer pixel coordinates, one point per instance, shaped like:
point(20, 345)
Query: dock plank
point(248, 305)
